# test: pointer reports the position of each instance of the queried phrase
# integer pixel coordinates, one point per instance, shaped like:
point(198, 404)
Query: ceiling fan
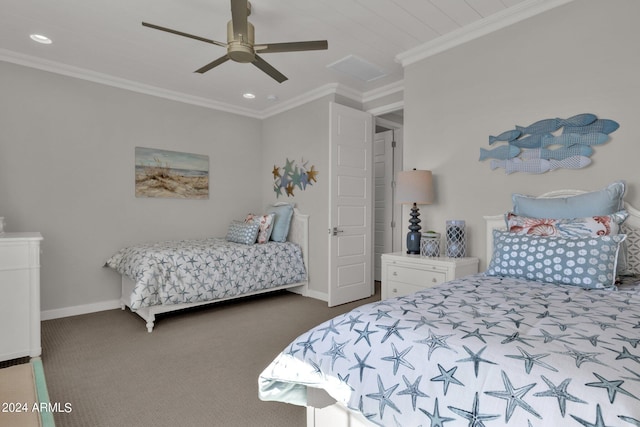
point(241, 45)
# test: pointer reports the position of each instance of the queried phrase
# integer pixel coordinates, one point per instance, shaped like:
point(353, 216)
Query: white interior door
point(351, 205)
point(383, 200)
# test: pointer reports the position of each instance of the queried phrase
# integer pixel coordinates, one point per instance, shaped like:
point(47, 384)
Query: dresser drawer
point(414, 276)
point(14, 255)
point(20, 290)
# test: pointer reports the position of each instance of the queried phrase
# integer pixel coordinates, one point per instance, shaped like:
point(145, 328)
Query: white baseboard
point(113, 304)
point(79, 309)
point(322, 296)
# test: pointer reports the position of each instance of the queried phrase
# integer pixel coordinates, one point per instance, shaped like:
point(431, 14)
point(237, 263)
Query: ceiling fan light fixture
point(241, 44)
point(40, 39)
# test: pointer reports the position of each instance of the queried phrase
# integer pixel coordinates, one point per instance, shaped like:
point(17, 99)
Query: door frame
point(398, 164)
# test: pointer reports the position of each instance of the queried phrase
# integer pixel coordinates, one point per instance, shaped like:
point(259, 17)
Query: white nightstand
point(404, 274)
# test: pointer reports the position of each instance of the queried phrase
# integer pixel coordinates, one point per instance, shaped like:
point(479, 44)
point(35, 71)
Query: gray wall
point(67, 170)
point(296, 134)
point(578, 58)
point(67, 145)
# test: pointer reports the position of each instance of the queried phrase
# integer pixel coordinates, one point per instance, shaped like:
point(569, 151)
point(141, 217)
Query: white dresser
point(20, 290)
point(403, 274)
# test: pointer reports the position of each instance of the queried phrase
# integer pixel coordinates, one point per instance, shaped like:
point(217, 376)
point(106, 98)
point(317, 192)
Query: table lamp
point(414, 187)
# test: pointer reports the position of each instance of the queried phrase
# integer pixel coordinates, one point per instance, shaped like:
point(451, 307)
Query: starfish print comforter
point(186, 271)
point(476, 351)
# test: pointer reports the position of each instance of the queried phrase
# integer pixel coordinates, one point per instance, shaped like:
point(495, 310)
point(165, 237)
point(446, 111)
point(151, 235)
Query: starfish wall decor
point(291, 175)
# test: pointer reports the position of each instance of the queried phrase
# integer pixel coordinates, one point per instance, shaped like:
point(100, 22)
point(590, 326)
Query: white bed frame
point(298, 233)
point(323, 410)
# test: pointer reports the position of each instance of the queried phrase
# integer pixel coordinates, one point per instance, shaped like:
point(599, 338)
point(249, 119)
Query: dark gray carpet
point(197, 368)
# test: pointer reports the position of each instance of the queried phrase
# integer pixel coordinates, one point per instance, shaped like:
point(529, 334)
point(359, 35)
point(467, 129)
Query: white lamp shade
point(414, 186)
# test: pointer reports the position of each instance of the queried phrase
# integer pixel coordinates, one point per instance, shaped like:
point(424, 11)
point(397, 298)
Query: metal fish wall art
point(549, 144)
point(567, 139)
point(602, 126)
point(503, 152)
point(558, 153)
point(518, 165)
point(552, 125)
point(530, 141)
point(507, 136)
point(539, 165)
point(574, 162)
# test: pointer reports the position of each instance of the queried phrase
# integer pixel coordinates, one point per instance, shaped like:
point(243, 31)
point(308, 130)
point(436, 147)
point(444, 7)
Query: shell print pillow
point(266, 225)
point(602, 225)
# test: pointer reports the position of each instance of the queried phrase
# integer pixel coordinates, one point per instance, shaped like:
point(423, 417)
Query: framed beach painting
point(171, 174)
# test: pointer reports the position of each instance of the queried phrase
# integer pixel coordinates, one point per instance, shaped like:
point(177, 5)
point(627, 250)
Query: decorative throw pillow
point(603, 202)
point(588, 262)
point(631, 248)
point(573, 227)
point(243, 232)
point(282, 222)
point(265, 225)
point(602, 225)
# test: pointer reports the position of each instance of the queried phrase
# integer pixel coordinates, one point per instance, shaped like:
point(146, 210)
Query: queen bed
point(547, 336)
point(162, 277)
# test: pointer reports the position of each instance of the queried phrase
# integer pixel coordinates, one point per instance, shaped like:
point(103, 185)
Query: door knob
point(335, 231)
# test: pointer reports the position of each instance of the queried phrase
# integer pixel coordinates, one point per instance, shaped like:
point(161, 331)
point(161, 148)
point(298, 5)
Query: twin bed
point(162, 277)
point(547, 336)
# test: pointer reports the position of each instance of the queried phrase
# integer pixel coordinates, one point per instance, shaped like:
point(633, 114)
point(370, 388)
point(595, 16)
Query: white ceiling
point(103, 40)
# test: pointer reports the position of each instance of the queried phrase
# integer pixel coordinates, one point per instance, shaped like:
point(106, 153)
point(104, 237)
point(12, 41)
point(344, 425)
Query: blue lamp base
point(413, 236)
point(413, 242)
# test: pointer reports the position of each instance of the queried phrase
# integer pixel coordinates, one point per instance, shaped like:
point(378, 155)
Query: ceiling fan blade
point(212, 64)
point(239, 13)
point(180, 33)
point(267, 68)
point(292, 46)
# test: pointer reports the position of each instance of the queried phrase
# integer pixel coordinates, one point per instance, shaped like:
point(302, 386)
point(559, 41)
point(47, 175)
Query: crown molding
point(507, 17)
point(389, 108)
point(328, 89)
point(381, 92)
point(335, 89)
point(105, 79)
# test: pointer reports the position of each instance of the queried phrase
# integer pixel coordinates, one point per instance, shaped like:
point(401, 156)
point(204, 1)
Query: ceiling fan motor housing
point(240, 46)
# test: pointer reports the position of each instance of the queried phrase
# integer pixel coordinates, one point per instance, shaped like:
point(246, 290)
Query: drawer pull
point(395, 290)
point(395, 273)
point(434, 280)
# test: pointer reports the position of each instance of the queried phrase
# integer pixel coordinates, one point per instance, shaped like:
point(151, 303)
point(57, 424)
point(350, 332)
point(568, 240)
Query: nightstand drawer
point(413, 276)
point(398, 289)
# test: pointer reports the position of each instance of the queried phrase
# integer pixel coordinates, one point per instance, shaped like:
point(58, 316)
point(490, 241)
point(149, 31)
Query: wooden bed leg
point(150, 326)
point(123, 306)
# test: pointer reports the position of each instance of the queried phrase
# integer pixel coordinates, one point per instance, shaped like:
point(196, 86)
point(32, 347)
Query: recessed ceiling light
point(272, 98)
point(248, 95)
point(40, 38)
